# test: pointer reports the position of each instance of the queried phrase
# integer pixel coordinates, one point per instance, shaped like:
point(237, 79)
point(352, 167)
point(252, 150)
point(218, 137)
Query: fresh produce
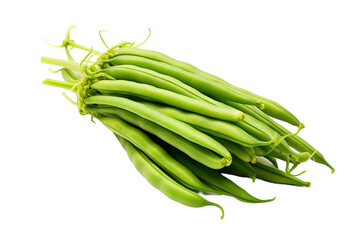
point(184, 129)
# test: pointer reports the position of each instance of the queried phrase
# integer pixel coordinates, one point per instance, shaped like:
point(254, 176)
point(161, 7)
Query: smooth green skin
point(142, 141)
point(147, 76)
point(193, 150)
point(212, 126)
point(249, 124)
point(215, 179)
point(294, 141)
point(275, 175)
point(62, 63)
point(237, 150)
point(163, 120)
point(272, 160)
point(238, 165)
point(214, 89)
point(264, 172)
point(255, 127)
point(160, 180)
point(57, 83)
point(296, 156)
point(272, 108)
point(169, 98)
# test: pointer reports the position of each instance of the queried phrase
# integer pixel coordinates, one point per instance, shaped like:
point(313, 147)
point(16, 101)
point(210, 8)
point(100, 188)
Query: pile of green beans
point(184, 129)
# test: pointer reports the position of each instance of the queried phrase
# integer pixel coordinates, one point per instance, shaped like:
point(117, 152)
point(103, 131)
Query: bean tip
point(241, 116)
point(260, 105)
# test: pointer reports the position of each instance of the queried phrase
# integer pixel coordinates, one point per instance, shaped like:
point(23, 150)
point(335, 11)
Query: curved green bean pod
point(169, 98)
point(193, 150)
point(163, 120)
point(142, 141)
point(271, 174)
point(272, 108)
point(160, 180)
point(214, 89)
point(215, 179)
point(212, 126)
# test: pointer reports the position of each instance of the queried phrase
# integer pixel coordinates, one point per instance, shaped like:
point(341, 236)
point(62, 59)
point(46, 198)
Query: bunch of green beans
point(185, 129)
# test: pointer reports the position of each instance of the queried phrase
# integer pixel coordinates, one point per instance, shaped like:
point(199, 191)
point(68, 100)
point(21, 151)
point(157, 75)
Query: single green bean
point(240, 168)
point(193, 150)
point(272, 160)
point(169, 98)
point(163, 120)
point(160, 180)
point(214, 89)
point(244, 153)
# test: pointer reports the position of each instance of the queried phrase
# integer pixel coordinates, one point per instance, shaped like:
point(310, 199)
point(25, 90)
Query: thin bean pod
point(165, 121)
point(244, 153)
point(160, 180)
point(272, 160)
point(193, 150)
point(169, 98)
point(240, 168)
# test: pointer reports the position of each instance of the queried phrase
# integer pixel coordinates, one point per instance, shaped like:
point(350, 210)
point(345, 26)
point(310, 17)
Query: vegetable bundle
point(184, 129)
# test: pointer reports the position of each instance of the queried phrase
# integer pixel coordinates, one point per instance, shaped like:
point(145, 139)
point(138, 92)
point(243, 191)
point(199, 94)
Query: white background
point(63, 177)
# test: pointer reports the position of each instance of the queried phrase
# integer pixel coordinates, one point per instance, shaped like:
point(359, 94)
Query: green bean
point(216, 90)
point(266, 173)
point(240, 168)
point(294, 141)
point(246, 154)
point(247, 124)
point(275, 175)
point(154, 151)
point(147, 76)
point(169, 98)
point(272, 108)
point(212, 126)
point(215, 179)
point(272, 160)
point(163, 120)
point(160, 180)
point(193, 150)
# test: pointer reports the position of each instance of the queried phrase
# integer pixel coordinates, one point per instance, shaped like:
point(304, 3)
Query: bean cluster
point(185, 129)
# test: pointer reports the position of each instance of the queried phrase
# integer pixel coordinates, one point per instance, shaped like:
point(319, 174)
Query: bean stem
point(62, 63)
point(59, 84)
